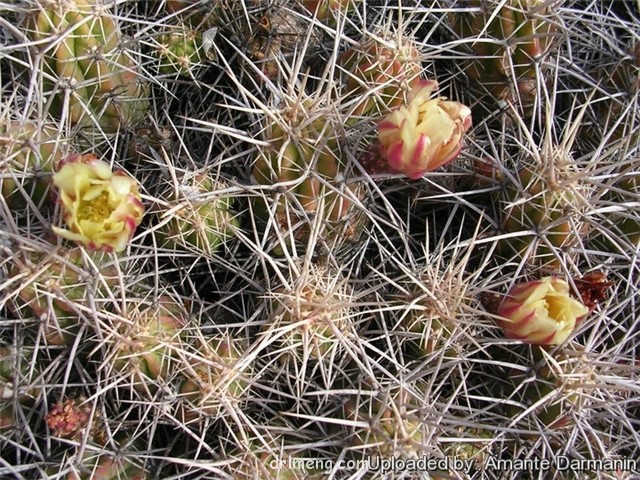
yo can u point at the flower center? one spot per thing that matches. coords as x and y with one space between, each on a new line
95 210
557 307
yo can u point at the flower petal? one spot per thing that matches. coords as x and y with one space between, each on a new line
101 209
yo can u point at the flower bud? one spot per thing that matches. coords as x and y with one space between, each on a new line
541 312
67 419
424 135
101 208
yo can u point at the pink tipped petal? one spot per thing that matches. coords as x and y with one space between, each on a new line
395 156
420 151
416 175
540 312
430 132
387 125
508 309
422 90
548 340
131 224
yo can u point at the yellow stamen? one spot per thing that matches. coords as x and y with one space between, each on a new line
96 209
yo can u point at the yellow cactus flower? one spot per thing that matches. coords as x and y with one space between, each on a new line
101 208
541 312
424 135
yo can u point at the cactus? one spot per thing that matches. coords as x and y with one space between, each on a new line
57 288
395 427
7 416
194 220
93 82
299 191
273 38
18 372
268 33
21 384
29 154
215 380
304 158
106 465
549 397
327 11
429 332
620 229
179 52
508 40
275 451
548 207
615 114
275 457
145 348
377 77
309 323
470 449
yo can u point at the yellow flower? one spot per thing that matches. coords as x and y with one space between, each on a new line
101 208
541 312
424 135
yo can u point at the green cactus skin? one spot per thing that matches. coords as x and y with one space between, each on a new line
623 227
109 466
55 287
148 343
548 209
378 77
309 167
394 425
620 83
553 413
198 223
196 14
431 334
214 380
309 322
17 371
28 155
472 448
179 52
7 417
326 11
92 81
20 381
507 42
277 461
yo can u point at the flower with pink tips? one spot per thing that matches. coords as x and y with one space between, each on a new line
541 312
424 135
101 208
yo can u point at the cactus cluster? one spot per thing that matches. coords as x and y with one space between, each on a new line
193 220
510 41
53 291
179 52
29 155
90 80
304 156
308 239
